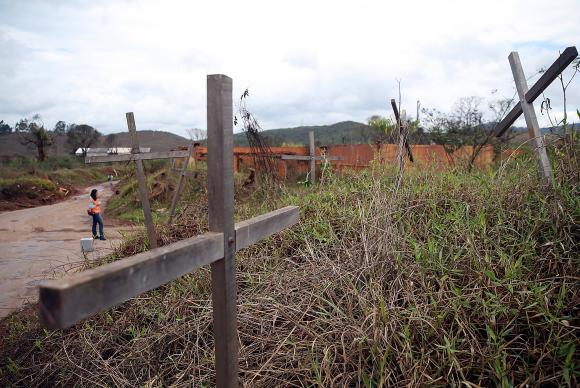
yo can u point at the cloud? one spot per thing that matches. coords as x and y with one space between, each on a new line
304 62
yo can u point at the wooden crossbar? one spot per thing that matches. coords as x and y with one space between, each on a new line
190 174
567 56
307 157
133 157
64 302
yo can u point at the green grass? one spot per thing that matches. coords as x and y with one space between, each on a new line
455 279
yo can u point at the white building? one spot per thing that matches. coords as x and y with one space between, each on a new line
110 151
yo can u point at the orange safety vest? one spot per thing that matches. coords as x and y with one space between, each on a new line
96 208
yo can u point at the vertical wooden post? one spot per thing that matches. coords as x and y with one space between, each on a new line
142 181
236 164
530 116
312 155
195 156
180 183
220 183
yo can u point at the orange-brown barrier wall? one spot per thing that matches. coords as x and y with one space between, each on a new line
358 156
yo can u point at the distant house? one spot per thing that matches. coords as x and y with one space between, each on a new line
109 151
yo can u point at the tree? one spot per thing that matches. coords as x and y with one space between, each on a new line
382 128
464 126
196 134
81 136
5 128
21 126
60 128
111 140
33 134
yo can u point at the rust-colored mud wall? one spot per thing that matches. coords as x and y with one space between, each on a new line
358 156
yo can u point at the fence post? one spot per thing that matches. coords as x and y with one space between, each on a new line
312 155
220 183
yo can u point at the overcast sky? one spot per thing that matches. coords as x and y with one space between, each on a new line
304 62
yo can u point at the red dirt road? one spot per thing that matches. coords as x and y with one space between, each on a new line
41 242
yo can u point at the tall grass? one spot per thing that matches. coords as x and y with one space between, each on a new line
455 279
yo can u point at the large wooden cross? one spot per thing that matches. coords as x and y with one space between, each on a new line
312 157
66 301
138 158
528 96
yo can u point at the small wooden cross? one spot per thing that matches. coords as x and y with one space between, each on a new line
400 125
311 157
138 158
527 97
66 301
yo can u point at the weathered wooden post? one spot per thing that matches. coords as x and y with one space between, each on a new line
220 181
141 180
530 116
312 152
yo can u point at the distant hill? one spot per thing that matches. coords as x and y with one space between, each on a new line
157 140
340 133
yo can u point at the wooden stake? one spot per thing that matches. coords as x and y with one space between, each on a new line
221 219
180 182
312 155
530 116
142 181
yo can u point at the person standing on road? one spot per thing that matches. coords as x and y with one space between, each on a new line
95 211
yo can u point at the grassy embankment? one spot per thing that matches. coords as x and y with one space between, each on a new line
25 182
454 279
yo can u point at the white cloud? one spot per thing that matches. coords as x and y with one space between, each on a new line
304 62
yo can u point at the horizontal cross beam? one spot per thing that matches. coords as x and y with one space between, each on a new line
538 88
64 302
140 156
190 174
307 157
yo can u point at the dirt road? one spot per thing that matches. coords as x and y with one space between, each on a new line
41 242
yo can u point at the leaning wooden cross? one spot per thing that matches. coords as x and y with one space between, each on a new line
527 97
311 157
66 301
180 183
138 158
400 126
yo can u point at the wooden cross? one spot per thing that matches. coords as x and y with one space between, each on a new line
400 125
66 301
138 158
528 96
311 157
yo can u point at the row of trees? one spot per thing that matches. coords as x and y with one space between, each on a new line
33 134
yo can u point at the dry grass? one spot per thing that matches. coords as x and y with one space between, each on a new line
458 279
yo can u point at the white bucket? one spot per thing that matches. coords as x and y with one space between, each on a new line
87 244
